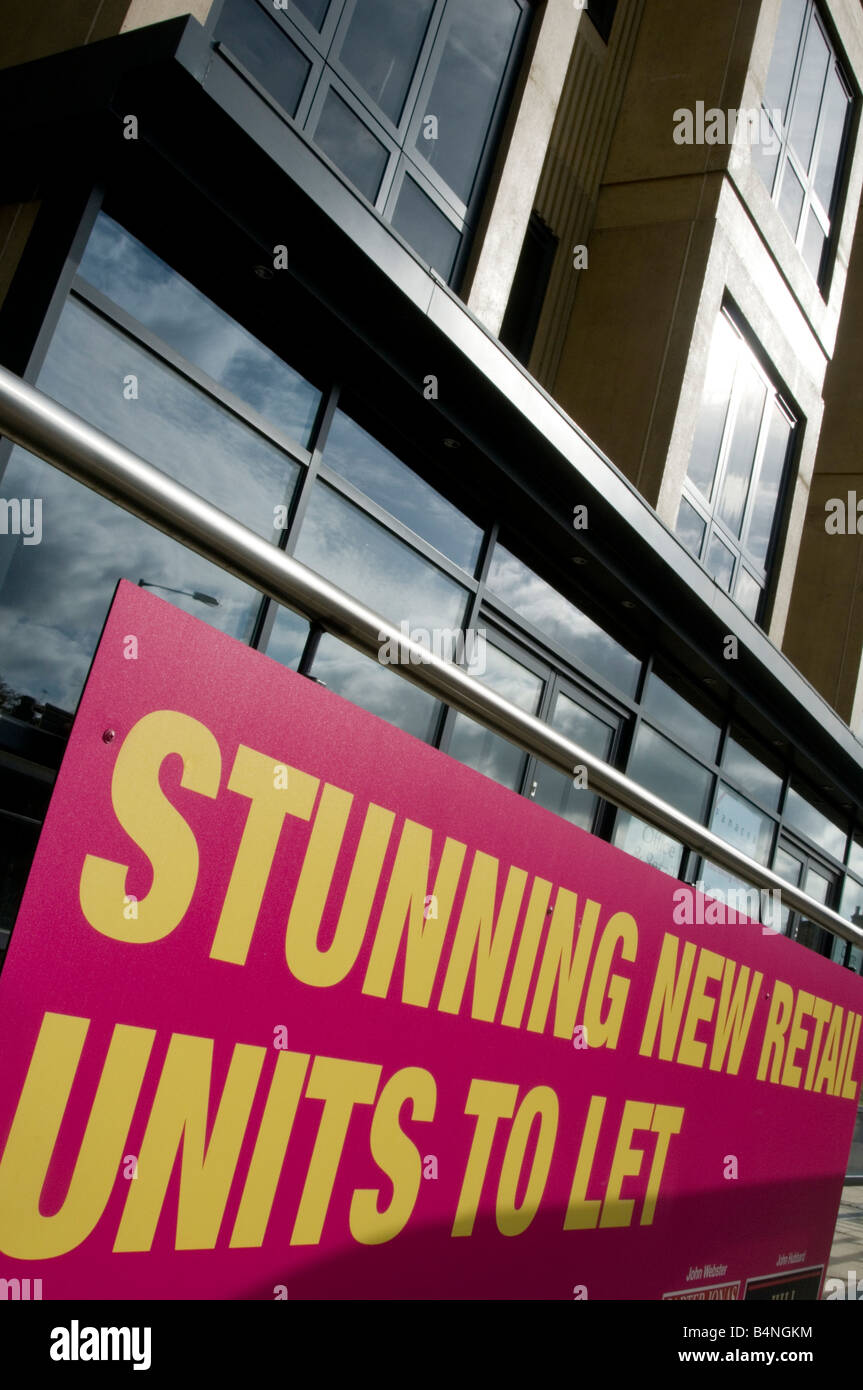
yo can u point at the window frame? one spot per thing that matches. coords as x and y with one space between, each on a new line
329 73
331 82
530 647
707 508
397 130
826 217
299 40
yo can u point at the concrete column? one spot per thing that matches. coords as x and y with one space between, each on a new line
511 199
824 633
141 12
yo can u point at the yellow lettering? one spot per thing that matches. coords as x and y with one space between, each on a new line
155 826
489 1101
778 1019
734 1016
560 962
620 929
821 1010
667 1120
582 1214
265 1168
179 1118
667 998
525 959
830 1055
395 1155
542 1102
797 1038
340 1085
406 896
252 777
849 1047
617 1210
849 1089
479 937
25 1234
330 966
701 1006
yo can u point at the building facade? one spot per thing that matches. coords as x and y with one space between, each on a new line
534 323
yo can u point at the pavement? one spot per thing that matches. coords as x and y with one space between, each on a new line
846 1255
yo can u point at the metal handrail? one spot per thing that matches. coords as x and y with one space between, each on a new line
55 434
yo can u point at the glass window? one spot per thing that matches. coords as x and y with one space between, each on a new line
556 791
738 896
548 611
172 423
18 838
381 48
721 366
851 904
747 593
471 743
477 747
465 88
789 867
340 542
742 825
351 146
807 89
850 907
808 933
315 11
425 228
357 456
837 105
690 527
814 243
760 527
739 458
777 89
374 688
142 284
671 774
807 99
265 50
741 453
750 771
647 843
511 680
855 853
55 595
288 638
688 725
813 824
719 562
791 197
419 78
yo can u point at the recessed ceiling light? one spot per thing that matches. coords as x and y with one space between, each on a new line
263 272
579 560
627 603
452 443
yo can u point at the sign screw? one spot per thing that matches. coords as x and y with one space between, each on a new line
108 736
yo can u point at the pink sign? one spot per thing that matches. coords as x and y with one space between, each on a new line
298 1007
